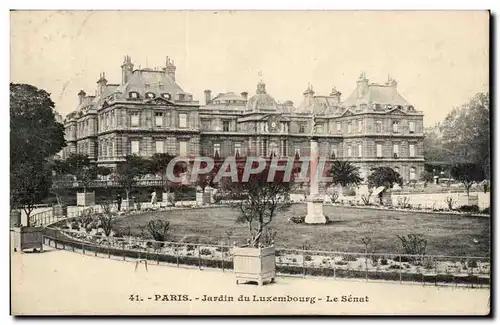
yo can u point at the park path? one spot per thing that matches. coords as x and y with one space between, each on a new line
61 282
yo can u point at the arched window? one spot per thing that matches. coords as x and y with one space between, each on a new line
150 95
166 95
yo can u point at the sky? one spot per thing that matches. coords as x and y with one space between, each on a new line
439 58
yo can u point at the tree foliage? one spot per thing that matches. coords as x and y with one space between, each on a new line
82 168
467 174
344 173
35 136
130 171
466 133
384 176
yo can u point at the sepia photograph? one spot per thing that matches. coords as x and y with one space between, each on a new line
237 163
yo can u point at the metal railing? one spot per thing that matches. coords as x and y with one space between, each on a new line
425 269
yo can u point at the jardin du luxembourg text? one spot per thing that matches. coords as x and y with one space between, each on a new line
204 298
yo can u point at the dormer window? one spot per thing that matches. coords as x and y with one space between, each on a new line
166 96
181 96
146 85
411 108
150 95
160 85
133 95
388 106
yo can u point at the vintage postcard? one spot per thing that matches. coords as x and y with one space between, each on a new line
250 163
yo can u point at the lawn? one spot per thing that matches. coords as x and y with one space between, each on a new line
446 234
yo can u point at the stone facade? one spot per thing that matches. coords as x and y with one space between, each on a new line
148 112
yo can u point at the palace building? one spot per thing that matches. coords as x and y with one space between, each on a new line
148 113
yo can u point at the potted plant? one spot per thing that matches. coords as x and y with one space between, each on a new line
259 202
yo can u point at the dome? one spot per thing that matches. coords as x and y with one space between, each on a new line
262 101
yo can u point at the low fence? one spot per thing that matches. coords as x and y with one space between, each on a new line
426 269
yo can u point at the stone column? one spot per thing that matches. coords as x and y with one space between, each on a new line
314 200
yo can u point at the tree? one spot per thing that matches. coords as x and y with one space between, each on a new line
35 136
30 183
344 173
34 132
158 165
466 133
384 176
129 171
467 174
427 177
261 201
83 169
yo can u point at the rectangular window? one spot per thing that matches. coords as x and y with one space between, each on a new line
183 148
134 147
284 148
107 121
379 150
237 149
182 120
216 149
395 126
225 126
360 126
412 150
339 127
360 150
334 152
134 119
159 119
297 151
395 150
319 128
349 127
378 126
412 127
159 146
112 118
302 128
349 151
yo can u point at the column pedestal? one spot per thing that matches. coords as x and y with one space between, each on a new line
315 210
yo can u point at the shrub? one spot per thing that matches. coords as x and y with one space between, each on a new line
472 264
334 196
384 261
158 229
297 219
308 258
469 208
75 226
413 244
366 199
190 248
395 267
226 249
349 258
341 263
486 210
205 251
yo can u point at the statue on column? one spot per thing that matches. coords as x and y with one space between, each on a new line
313 125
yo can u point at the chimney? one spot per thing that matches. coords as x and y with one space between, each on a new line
208 96
81 96
127 69
336 95
101 84
244 95
170 68
362 88
391 82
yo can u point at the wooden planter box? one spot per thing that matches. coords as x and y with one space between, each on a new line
128 204
15 218
60 210
168 198
254 264
85 199
22 238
